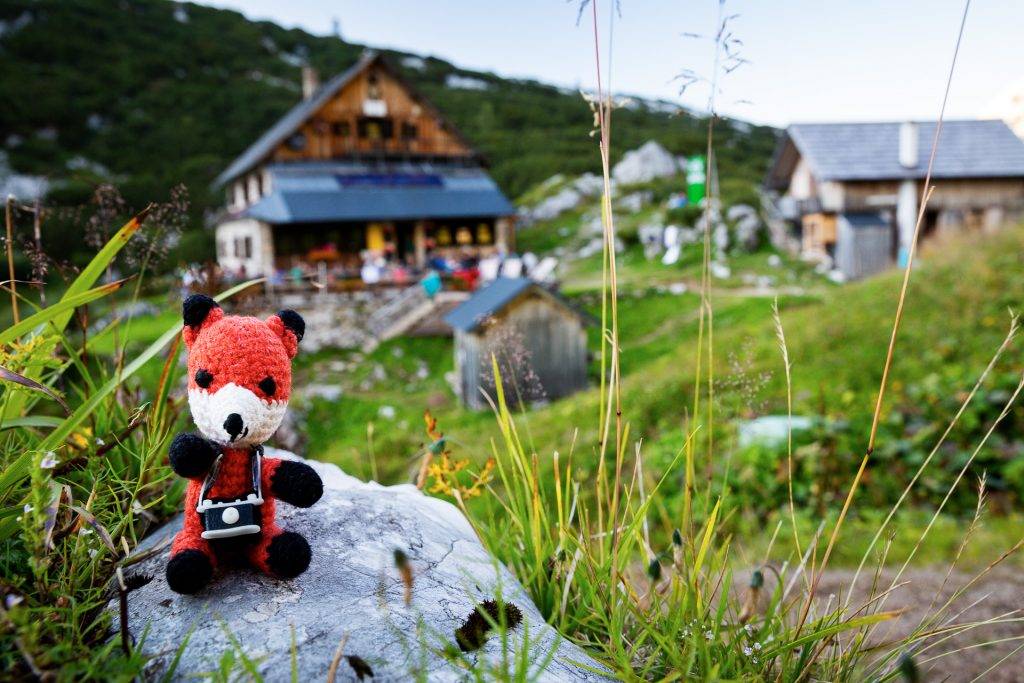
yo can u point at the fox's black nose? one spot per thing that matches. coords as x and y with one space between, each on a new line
233 425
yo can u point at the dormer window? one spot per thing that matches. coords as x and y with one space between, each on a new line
297 142
239 194
372 128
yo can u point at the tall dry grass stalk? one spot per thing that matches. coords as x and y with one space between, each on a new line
9 222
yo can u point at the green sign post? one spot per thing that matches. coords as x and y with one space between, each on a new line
696 179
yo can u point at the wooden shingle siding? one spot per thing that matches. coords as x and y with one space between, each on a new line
541 334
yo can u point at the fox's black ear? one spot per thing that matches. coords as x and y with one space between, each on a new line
294 322
196 308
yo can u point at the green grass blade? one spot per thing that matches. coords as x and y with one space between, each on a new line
54 314
92 272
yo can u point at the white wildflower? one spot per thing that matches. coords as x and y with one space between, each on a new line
757 646
747 650
100 442
709 634
49 461
28 508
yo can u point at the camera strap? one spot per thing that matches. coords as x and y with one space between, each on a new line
256 460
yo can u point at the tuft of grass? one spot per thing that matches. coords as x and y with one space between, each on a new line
639 563
82 478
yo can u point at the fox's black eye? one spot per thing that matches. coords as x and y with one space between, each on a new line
204 379
268 386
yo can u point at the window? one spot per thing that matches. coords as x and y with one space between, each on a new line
342 129
409 131
297 142
222 249
239 187
243 247
372 128
484 234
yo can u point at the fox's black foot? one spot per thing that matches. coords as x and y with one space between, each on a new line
288 555
189 571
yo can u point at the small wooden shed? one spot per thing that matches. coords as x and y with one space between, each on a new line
538 338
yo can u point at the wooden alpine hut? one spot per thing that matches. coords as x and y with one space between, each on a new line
362 171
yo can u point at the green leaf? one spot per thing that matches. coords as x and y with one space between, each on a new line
17 378
31 421
52 314
98 264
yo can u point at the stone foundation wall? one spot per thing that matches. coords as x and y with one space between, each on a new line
333 319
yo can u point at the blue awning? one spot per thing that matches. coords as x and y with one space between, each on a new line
322 192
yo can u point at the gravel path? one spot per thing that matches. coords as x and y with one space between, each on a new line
998 594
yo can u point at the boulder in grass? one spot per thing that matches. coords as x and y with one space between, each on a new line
367 540
644 164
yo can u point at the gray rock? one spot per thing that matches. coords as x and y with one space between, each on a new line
589 185
635 201
558 203
644 164
352 592
747 226
328 392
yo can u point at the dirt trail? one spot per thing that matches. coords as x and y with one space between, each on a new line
998 594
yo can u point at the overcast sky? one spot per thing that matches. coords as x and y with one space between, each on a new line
810 60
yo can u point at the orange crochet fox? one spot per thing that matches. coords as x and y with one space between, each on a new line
239 382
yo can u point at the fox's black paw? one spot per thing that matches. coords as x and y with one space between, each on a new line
297 483
288 555
189 571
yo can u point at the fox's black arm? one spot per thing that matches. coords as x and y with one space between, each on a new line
296 483
191 455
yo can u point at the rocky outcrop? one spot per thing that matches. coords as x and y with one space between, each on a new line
353 599
644 164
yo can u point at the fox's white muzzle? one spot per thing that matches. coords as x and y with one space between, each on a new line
235 416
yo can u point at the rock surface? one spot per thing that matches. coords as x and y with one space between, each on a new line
644 164
352 592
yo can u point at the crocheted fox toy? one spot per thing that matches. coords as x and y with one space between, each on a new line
239 381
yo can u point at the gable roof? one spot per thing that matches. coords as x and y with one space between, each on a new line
870 151
312 192
495 296
301 112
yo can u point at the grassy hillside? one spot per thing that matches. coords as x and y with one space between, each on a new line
956 319
152 93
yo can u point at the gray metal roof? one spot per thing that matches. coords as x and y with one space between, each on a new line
490 299
487 301
870 151
308 192
867 219
290 122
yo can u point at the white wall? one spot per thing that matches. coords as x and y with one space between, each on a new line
245 242
801 183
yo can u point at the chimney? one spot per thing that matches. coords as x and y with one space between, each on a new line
908 144
310 82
